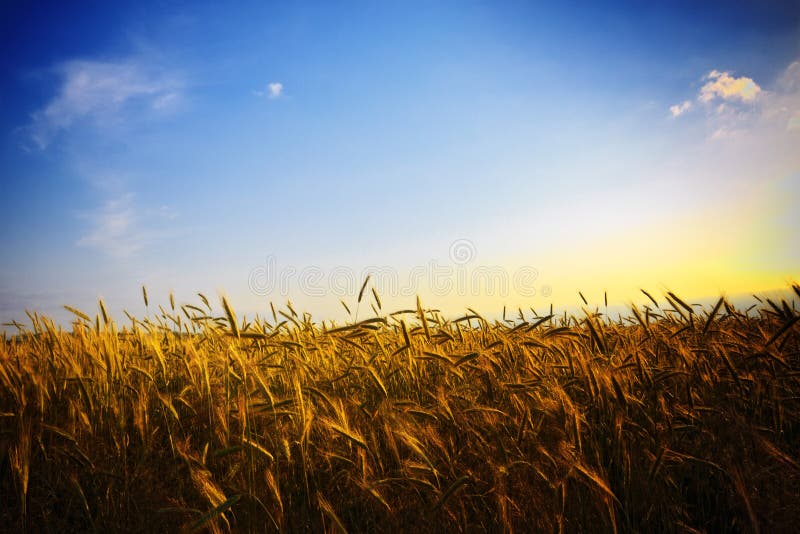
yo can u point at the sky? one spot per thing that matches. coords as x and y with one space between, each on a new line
474 153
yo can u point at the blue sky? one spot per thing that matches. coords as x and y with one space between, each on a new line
212 148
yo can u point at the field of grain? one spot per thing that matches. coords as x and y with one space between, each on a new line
677 418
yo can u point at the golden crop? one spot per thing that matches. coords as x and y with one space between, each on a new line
674 419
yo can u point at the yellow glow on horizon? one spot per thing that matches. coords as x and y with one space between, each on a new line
733 249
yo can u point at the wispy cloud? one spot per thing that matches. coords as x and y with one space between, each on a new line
785 99
113 228
99 91
774 113
726 87
121 229
16 301
679 109
273 90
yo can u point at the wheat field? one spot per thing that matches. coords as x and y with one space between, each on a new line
677 418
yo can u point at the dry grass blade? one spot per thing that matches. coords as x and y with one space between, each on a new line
363 288
258 448
450 491
214 513
640 319
595 333
712 315
103 311
776 453
618 391
77 312
783 329
327 509
464 359
406 338
377 298
598 482
423 319
741 489
378 381
539 322
354 438
677 299
167 403
648 295
657 464
231 317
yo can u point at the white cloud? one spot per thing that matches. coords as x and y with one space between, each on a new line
112 228
723 85
679 109
789 81
273 90
785 99
774 115
166 100
738 106
99 91
120 229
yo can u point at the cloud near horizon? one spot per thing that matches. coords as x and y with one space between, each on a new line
100 90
